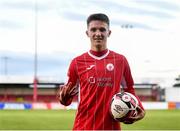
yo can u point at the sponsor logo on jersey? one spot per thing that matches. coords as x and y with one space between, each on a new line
110 67
91 80
101 81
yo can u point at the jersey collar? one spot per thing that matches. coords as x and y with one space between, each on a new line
98 57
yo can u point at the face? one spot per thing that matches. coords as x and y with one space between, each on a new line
98 32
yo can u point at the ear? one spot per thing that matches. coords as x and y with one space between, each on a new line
87 33
109 33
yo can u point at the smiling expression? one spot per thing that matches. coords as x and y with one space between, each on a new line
98 32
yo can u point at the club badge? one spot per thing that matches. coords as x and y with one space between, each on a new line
110 67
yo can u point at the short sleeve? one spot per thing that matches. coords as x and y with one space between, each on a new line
72 75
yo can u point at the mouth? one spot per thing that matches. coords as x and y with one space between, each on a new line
98 39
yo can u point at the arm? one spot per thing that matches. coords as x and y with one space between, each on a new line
128 87
68 91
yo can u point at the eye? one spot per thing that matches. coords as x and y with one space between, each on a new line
93 29
102 29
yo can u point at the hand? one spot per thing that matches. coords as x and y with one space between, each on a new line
66 93
140 114
135 117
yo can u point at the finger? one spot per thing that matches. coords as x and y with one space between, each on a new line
69 89
66 91
137 117
139 110
62 91
69 86
58 92
73 90
133 117
128 122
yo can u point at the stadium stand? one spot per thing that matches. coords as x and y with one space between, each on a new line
23 92
18 92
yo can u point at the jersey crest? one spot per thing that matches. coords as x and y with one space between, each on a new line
110 67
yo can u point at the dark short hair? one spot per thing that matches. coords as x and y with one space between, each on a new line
98 16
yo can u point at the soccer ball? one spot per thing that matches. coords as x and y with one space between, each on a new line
123 105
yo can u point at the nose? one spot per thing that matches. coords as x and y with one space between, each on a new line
98 32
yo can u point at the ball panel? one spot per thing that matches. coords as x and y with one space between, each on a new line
134 100
119 108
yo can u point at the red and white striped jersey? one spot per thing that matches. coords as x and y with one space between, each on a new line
99 78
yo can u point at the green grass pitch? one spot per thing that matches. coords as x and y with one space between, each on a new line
63 119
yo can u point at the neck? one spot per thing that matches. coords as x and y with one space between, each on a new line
95 46
98 48
98 53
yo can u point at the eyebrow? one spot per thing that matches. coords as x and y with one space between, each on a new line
102 29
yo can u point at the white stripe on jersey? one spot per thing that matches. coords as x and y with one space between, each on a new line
98 58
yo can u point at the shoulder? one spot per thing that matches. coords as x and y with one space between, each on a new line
74 62
117 55
79 57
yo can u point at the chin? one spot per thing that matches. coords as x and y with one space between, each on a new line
99 44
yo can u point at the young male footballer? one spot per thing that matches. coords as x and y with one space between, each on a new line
99 74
